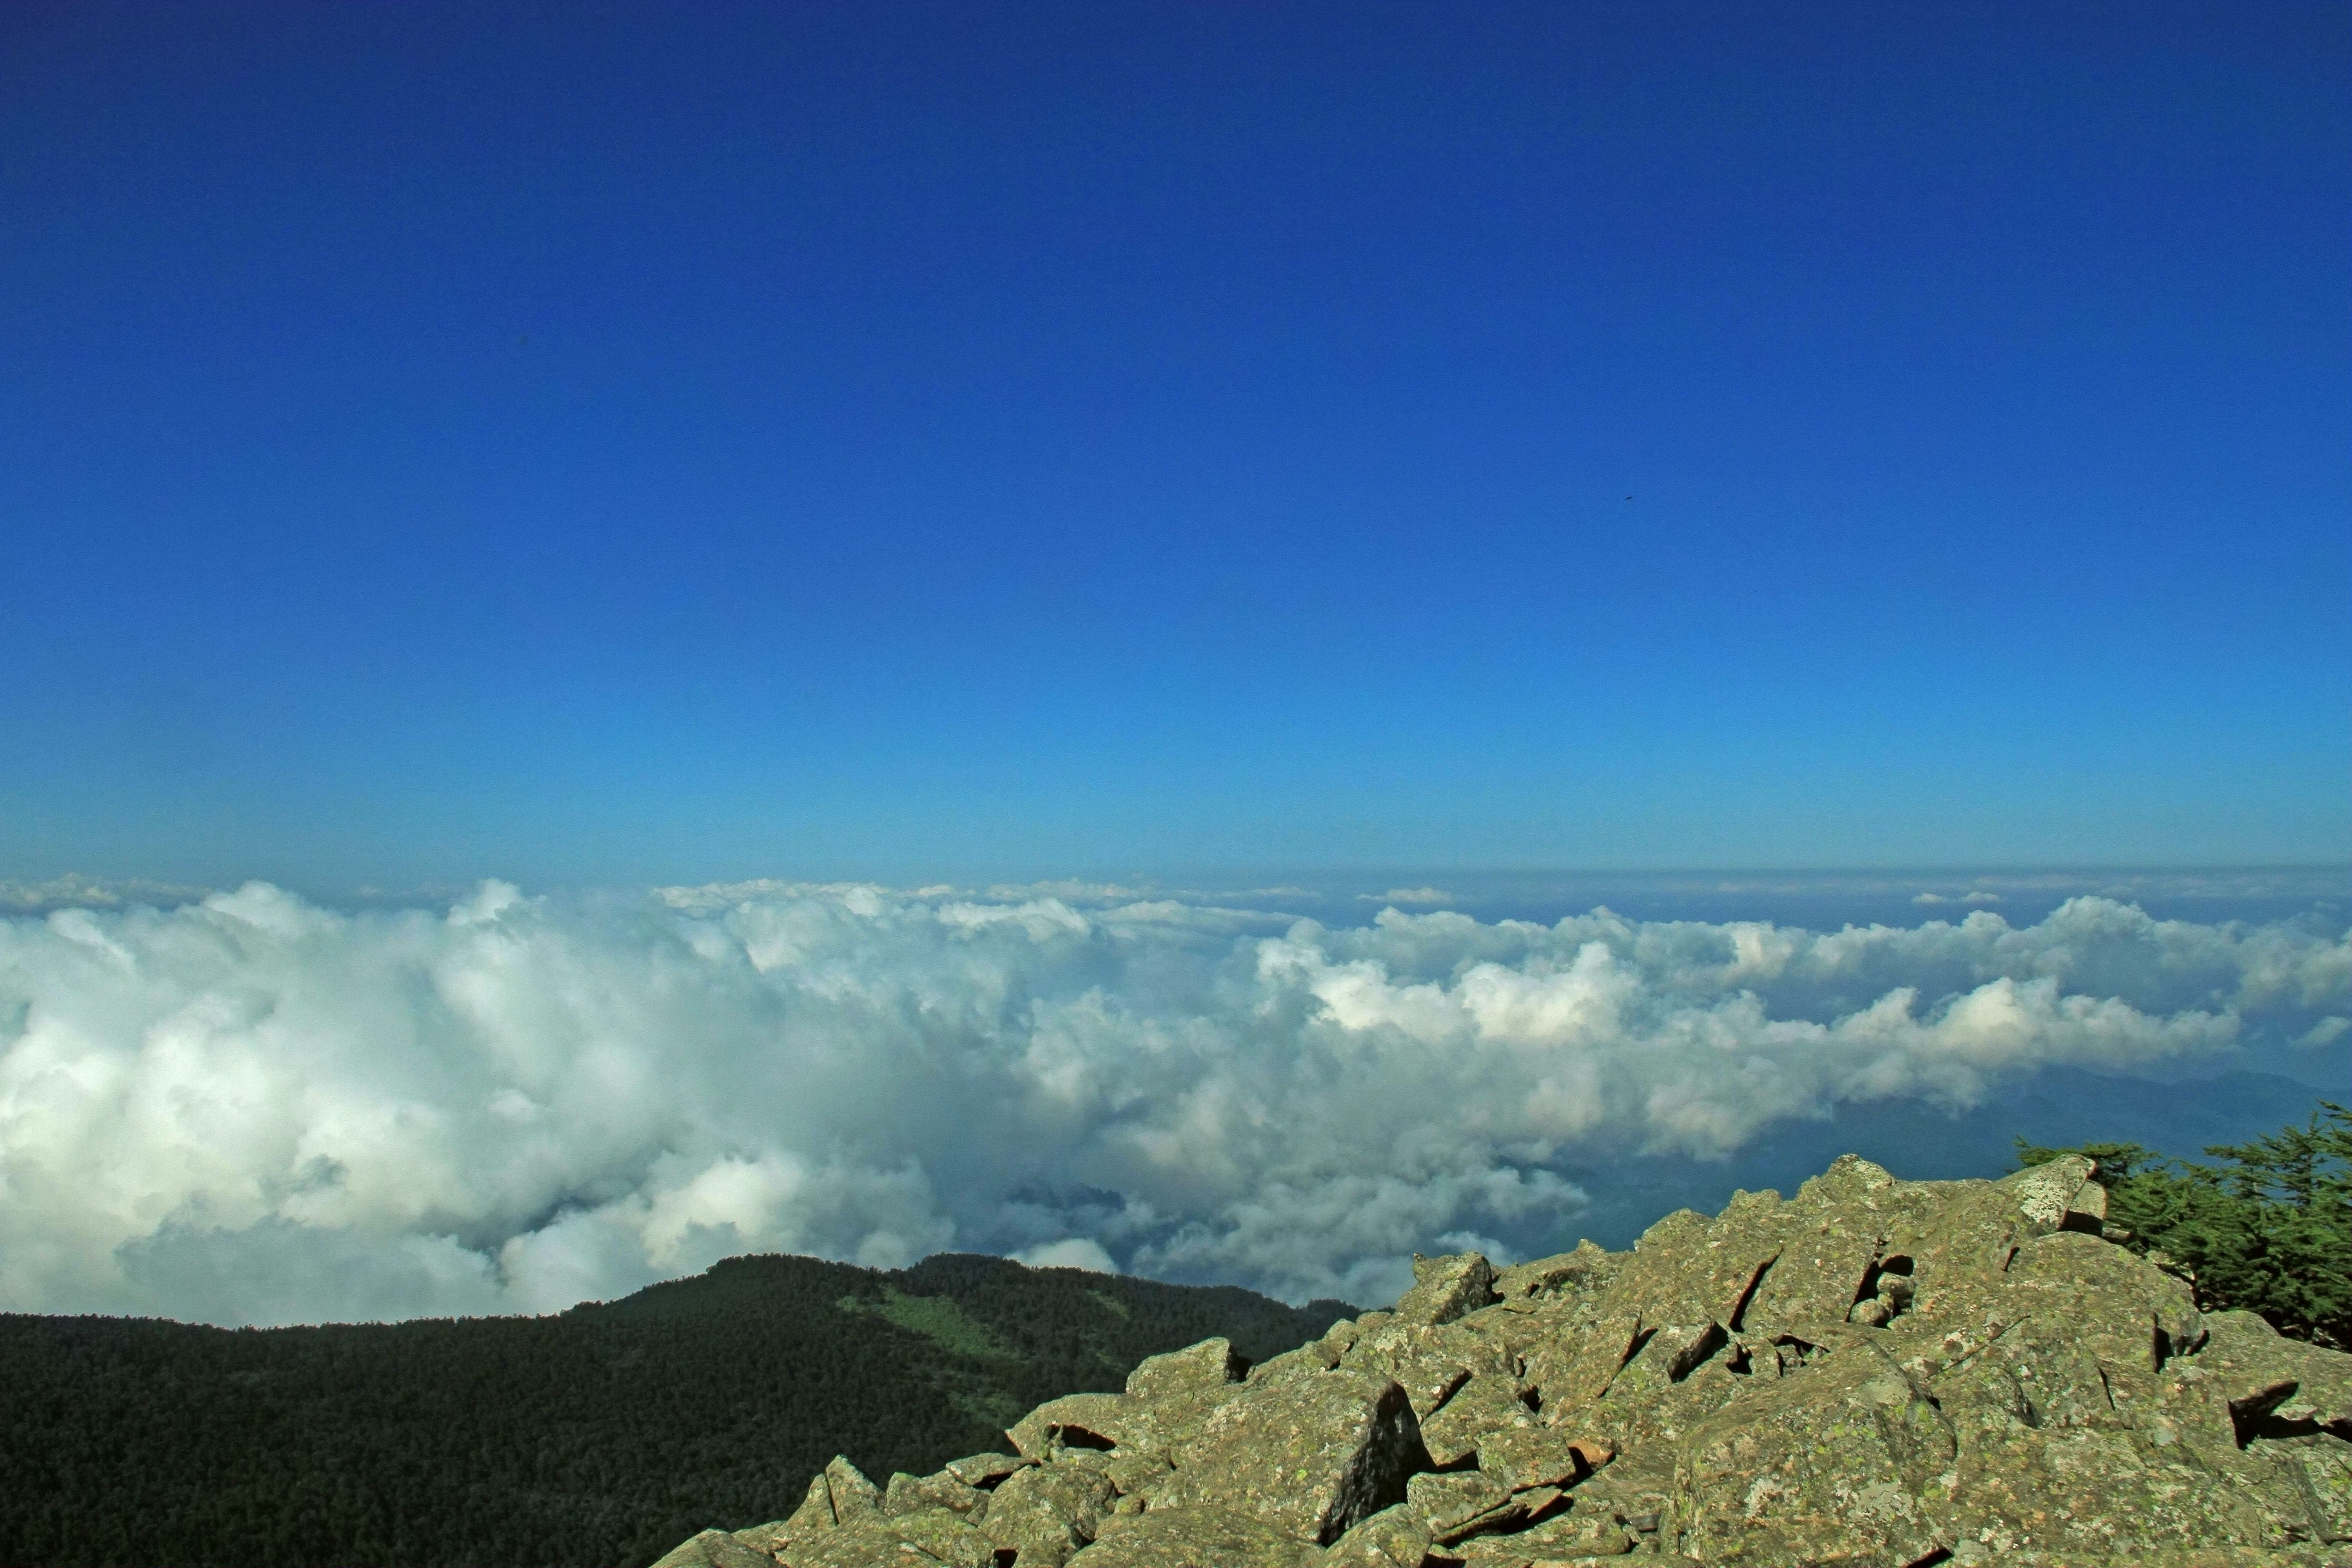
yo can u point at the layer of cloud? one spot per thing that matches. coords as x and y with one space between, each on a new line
1410 898
72 891
253 1109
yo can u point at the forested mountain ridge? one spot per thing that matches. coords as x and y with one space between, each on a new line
598 1435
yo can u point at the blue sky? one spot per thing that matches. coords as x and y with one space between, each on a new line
615 443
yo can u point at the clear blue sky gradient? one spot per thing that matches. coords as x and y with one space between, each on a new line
593 444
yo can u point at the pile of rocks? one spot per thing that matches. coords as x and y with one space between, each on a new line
1875 1371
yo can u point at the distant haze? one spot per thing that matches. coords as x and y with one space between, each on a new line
255 1107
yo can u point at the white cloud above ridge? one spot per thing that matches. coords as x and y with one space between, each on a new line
256 1109
1073 1252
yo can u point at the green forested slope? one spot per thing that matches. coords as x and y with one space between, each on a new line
605 1435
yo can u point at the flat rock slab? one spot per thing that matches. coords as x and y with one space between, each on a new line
918 1539
985 1471
1535 1457
1209 1364
1446 1287
1047 1511
1483 1408
715 1548
1194 1538
1310 1454
1850 1463
2331 1556
1089 1420
907 1493
1578 1534
1395 1537
1588 1268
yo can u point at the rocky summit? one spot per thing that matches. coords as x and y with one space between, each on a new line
1875 1371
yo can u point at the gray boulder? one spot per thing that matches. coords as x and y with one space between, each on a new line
1852 1463
1091 1420
985 1470
1047 1511
714 1548
1580 1533
1446 1287
1583 1269
1454 1505
1310 1454
911 1494
1396 1537
1194 1538
917 1540
1211 1363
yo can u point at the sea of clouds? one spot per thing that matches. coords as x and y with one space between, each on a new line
250 1107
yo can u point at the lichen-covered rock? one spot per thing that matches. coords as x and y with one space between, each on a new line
1209 1364
2054 1197
1577 1369
1088 1420
714 1548
1310 1454
1046 1512
1524 1456
1432 1361
2268 1386
1480 1409
2285 1409
906 1494
1194 1538
1453 1504
1509 1329
1446 1287
1873 1372
1322 1355
1581 1532
918 1539
1139 1476
985 1470
1696 1274
851 1495
1587 1268
767 1539
1396 1537
837 1495
1970 1554
1430 1374
1164 1426
943 1534
2097 1490
1852 1463
2317 1467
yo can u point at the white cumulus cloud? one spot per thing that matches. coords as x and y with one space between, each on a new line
255 1108
1074 1252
